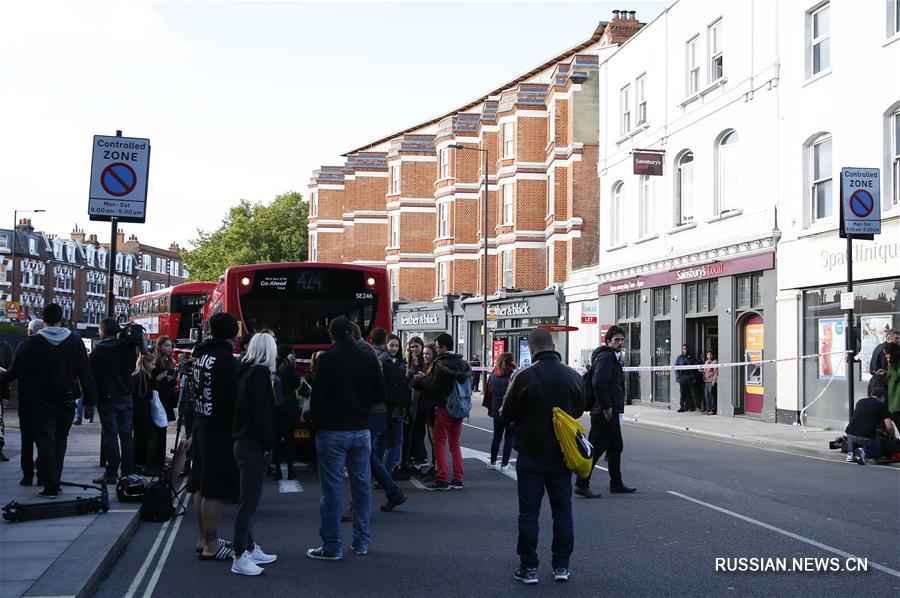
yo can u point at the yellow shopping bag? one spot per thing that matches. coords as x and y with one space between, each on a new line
577 451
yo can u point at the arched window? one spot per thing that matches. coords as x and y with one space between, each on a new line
727 172
684 189
617 215
820 179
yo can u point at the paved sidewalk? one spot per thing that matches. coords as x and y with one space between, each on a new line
803 440
65 556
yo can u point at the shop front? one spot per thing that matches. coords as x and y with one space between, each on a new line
723 306
425 320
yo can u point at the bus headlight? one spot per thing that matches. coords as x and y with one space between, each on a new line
370 281
245 281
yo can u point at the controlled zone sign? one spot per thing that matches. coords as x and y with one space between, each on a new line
861 201
119 167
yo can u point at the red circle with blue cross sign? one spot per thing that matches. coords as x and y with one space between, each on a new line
118 179
861 203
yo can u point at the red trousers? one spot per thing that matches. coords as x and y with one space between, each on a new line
447 430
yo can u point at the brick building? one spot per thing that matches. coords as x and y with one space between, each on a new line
541 134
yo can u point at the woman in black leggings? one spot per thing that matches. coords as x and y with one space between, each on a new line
254 436
493 400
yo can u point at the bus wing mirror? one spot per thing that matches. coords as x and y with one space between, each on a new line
196 335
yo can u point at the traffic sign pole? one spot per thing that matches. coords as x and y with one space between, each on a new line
851 342
111 265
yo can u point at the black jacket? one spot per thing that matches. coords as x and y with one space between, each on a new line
254 410
396 385
215 384
143 386
32 362
348 383
290 381
533 393
448 367
112 363
608 382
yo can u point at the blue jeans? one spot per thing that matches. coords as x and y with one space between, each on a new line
116 419
378 424
390 455
79 409
337 449
534 475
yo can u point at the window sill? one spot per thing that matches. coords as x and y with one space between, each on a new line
823 226
891 40
702 92
632 133
444 238
683 227
725 216
617 247
813 78
646 239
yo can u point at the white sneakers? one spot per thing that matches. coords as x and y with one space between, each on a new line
493 466
249 562
506 467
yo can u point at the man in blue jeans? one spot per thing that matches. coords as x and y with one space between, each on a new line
533 393
348 384
112 363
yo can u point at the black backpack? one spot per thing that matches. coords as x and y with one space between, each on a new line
59 381
157 504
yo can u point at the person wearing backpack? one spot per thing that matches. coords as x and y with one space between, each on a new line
49 367
533 393
608 392
450 383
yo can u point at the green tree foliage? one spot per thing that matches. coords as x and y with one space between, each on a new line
251 234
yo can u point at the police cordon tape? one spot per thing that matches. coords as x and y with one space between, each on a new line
700 366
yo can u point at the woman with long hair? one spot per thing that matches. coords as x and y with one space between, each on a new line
414 455
390 455
494 392
254 437
149 440
165 375
428 404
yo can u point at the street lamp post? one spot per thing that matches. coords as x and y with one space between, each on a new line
12 263
484 289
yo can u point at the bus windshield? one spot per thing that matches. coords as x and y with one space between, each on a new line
187 305
299 303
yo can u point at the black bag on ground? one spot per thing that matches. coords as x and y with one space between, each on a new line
157 504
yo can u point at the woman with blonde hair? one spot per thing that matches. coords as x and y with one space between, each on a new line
254 434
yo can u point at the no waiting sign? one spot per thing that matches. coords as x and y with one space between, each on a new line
119 167
861 200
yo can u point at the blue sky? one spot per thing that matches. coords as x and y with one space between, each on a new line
243 99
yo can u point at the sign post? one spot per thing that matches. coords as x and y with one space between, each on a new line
860 218
118 191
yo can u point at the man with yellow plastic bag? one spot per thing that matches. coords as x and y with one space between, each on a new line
533 393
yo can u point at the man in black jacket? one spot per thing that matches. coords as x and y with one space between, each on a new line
533 393
113 363
49 366
606 420
348 383
214 472
381 423
448 369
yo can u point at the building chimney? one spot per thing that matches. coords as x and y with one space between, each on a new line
24 225
120 238
92 238
77 235
623 25
174 248
631 15
615 15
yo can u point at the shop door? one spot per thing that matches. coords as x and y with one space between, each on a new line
632 359
705 337
662 355
752 335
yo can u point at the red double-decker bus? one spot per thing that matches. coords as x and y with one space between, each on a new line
298 300
171 311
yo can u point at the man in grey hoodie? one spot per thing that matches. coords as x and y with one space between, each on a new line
49 366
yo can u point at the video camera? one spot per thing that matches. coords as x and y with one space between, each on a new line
133 334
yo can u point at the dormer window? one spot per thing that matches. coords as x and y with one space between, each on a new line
32 246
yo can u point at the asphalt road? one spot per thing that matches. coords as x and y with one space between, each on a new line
697 500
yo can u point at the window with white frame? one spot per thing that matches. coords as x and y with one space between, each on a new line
640 99
819 27
176 268
684 189
893 18
625 109
820 183
5 242
145 286
509 147
507 270
551 251
646 201
395 230
727 172
444 220
101 259
551 121
714 46
693 65
146 262
551 191
895 152
395 287
160 286
445 163
314 247
119 262
442 278
506 203
32 246
618 217
314 204
395 179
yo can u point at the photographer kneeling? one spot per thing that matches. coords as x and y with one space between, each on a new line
112 363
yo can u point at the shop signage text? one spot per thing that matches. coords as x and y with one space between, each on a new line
509 310
422 319
649 163
589 313
700 272
876 252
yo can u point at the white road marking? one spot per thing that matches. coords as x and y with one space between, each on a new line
477 428
792 535
139 578
491 432
417 483
289 486
151 585
485 458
